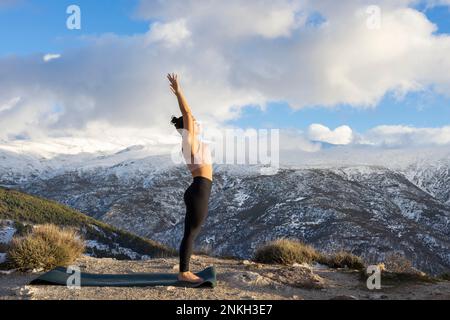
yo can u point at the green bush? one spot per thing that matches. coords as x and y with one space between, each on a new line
45 247
284 251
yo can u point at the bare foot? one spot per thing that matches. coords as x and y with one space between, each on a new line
189 277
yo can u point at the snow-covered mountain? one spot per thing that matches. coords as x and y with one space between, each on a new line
432 177
351 204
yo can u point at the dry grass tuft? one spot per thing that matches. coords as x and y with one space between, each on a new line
45 247
287 252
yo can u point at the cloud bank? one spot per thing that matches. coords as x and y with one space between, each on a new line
230 54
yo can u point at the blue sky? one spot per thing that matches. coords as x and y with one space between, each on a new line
38 27
417 110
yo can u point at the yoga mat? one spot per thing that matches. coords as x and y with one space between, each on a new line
59 276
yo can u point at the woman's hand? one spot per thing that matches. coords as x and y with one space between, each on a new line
174 83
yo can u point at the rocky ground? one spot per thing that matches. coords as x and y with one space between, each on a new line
237 279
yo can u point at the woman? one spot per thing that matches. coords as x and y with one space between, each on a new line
196 197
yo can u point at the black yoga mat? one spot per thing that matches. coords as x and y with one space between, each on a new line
59 277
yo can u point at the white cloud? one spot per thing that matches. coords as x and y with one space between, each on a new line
95 139
172 33
9 104
406 136
341 135
51 56
432 3
340 62
229 54
383 136
229 20
296 140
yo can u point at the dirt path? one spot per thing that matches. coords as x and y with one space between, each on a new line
14 286
236 280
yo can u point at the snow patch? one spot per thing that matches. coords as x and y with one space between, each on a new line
409 209
210 239
240 197
296 199
96 245
6 233
116 250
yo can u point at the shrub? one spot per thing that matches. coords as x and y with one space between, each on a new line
398 270
445 276
398 263
22 228
45 247
343 259
284 251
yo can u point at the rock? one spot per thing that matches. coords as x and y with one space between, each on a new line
250 278
21 291
320 266
246 262
422 274
176 267
299 277
301 265
170 288
7 272
252 266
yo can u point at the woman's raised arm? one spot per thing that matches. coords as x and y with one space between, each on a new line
188 120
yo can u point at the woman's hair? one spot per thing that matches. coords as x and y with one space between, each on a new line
177 122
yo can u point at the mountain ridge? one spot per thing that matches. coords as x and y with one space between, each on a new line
369 209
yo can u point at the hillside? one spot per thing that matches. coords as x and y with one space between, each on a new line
236 279
18 210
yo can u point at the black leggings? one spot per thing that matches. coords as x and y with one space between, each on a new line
196 199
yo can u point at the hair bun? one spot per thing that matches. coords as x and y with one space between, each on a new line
177 122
